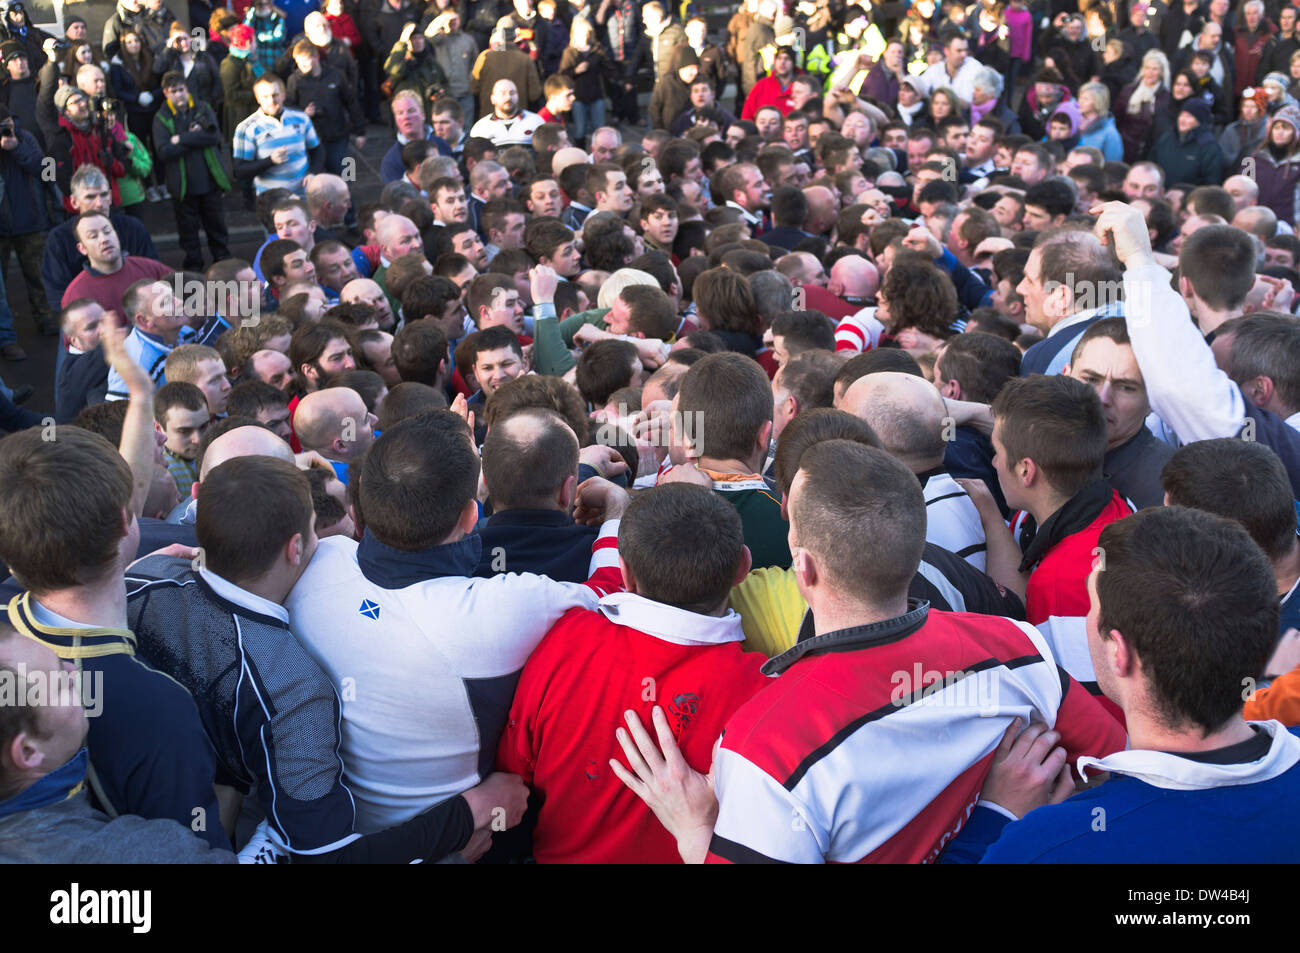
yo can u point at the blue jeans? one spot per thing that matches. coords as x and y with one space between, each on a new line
333 152
587 118
470 107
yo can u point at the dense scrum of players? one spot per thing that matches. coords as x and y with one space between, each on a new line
897 462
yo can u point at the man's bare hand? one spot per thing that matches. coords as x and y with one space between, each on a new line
599 500
1028 770
679 796
138 382
604 460
589 334
651 351
543 280
1122 226
311 460
981 496
921 239
478 845
460 407
969 413
500 798
176 551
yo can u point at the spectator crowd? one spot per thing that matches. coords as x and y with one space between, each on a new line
843 432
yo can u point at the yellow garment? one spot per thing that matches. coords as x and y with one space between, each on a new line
770 608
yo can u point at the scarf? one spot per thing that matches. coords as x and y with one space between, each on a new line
1143 95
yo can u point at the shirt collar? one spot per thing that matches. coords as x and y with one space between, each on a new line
669 623
1076 514
242 597
392 568
748 216
850 639
59 785
1173 773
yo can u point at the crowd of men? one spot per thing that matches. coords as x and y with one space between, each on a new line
904 471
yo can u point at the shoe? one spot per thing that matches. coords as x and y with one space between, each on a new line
163 194
23 393
13 351
151 194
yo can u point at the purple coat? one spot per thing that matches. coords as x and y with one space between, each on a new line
1278 181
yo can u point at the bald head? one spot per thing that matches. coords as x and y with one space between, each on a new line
243 442
335 423
1243 189
563 158
1257 220
854 277
822 209
905 411
328 198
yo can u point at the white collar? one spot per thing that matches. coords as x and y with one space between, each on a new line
669 623
1172 773
242 597
1294 421
51 619
1076 318
749 216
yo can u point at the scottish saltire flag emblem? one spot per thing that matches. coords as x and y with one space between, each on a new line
369 609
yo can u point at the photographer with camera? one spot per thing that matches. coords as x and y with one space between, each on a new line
23 224
187 138
87 137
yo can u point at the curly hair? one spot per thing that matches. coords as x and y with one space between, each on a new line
919 296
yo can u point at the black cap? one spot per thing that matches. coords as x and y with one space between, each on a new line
10 49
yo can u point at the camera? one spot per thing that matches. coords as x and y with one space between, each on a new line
7 129
62 44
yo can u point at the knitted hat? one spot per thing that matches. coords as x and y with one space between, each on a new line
1289 115
71 20
1198 107
1256 96
1278 79
64 94
241 37
1049 74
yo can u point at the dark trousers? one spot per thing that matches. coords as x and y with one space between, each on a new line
207 210
30 249
332 153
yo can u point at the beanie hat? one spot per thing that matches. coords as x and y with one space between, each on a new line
1257 96
1198 107
241 38
1289 115
1049 74
64 94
